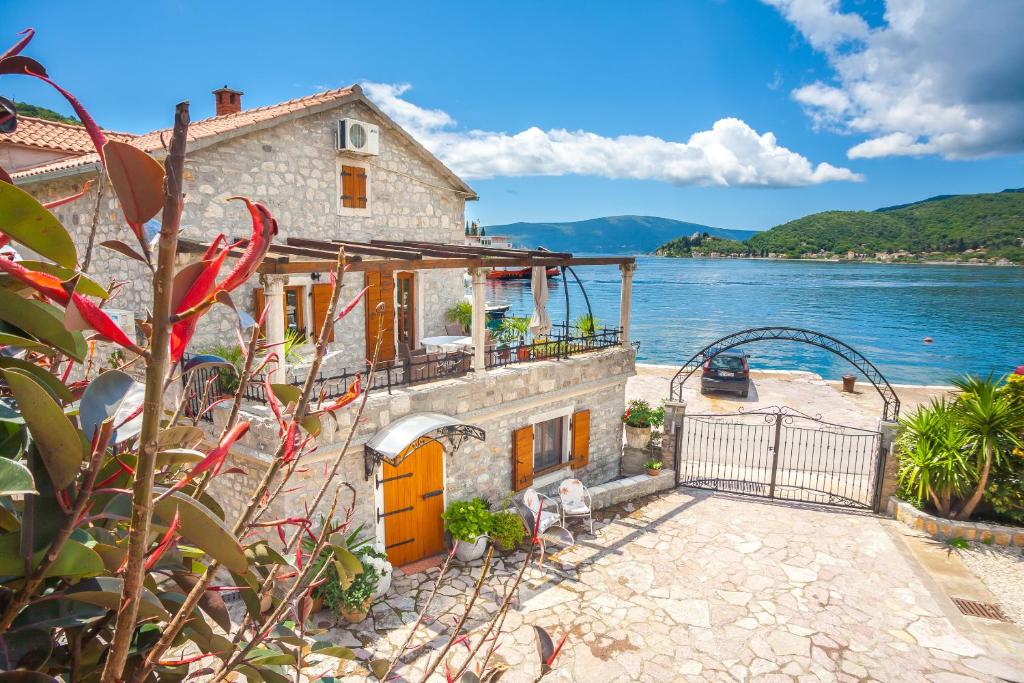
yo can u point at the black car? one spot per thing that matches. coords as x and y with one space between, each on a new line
726 372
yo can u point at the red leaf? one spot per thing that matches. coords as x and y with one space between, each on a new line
264 227
138 181
48 285
97 136
350 395
101 322
67 200
351 304
215 458
22 66
20 45
164 544
289 443
202 287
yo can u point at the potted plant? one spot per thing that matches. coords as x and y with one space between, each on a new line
638 420
461 313
468 522
352 602
507 530
514 331
653 467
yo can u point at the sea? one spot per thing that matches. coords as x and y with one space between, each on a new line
973 316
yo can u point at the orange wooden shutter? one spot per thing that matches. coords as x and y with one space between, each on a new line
348 186
360 187
522 458
580 439
258 302
382 291
321 295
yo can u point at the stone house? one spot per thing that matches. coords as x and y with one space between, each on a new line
484 423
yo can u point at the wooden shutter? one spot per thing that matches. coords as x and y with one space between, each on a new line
580 439
360 187
321 300
348 186
382 291
522 458
258 302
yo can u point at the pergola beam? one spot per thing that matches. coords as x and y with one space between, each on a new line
354 248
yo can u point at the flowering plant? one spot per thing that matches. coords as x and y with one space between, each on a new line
640 414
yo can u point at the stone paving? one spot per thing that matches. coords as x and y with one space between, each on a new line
689 586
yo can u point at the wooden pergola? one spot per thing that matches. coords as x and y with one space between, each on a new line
299 255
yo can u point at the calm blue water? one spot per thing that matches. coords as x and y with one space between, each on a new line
974 314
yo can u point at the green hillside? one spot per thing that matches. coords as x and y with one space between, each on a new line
26 109
703 245
939 226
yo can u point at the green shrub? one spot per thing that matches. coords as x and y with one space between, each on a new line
229 379
467 520
507 529
461 313
653 464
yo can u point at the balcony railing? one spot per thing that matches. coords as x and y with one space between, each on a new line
206 385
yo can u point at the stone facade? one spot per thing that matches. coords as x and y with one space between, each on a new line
498 402
294 169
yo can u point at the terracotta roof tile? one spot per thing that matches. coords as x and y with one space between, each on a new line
198 130
63 137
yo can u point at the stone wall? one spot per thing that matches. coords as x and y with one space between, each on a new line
499 403
292 168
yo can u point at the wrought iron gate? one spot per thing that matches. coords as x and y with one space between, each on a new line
781 453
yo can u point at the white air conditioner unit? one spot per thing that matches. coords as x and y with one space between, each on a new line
358 137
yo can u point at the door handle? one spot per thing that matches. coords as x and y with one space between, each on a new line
432 494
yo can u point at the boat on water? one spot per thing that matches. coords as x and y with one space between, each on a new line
516 273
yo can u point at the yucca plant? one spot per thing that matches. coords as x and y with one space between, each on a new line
993 424
934 463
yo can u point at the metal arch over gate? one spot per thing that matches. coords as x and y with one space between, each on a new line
891 409
783 454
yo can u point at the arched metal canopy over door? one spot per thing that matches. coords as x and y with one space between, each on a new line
891 409
412 481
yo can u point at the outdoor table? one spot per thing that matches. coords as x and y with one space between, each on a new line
447 342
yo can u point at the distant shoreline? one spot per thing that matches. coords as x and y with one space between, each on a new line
873 262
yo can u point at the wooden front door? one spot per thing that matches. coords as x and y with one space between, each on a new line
382 291
413 503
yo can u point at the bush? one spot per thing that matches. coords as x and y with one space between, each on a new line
507 529
467 520
461 313
653 464
640 414
229 378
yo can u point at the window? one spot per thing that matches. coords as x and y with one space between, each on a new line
353 187
405 309
547 444
294 311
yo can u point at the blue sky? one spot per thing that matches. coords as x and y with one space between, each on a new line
597 71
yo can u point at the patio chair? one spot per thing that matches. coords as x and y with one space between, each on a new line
454 330
576 502
534 501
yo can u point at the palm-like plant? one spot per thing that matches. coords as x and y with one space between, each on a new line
993 423
934 463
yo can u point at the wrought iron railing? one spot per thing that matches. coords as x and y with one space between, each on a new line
562 342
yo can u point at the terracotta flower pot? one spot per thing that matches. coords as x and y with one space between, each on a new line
354 616
637 437
653 471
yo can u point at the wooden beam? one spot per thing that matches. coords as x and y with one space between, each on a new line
311 253
355 248
478 251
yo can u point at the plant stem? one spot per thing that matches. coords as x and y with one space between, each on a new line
156 374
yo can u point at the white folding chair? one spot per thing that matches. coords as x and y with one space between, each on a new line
576 501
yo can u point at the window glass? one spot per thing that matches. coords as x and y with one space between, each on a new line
547 451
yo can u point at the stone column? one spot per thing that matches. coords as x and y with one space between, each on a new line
479 276
273 290
675 412
889 469
626 299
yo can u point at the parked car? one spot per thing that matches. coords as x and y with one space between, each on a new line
728 371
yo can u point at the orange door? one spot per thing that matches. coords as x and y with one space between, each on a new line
380 320
413 503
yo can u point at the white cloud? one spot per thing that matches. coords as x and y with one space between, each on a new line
939 77
731 154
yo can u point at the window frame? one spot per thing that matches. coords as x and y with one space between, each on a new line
339 203
554 473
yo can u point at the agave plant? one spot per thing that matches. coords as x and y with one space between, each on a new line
934 463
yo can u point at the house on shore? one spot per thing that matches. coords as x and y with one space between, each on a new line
441 424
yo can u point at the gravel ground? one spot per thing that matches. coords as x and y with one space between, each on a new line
1002 572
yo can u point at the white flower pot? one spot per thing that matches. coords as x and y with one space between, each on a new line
637 437
467 552
385 569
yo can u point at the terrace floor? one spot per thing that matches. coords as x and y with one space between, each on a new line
689 586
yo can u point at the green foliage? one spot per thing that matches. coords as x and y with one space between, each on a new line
462 313
587 323
653 464
35 111
514 329
640 414
958 543
233 354
949 225
703 245
467 520
507 529
933 463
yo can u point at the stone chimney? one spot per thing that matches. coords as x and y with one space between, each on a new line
228 101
